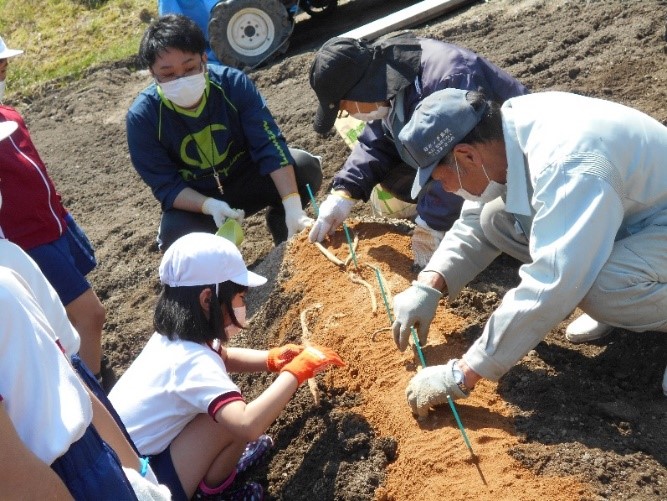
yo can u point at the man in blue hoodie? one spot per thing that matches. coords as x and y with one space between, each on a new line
202 137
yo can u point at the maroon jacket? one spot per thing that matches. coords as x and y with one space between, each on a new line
32 213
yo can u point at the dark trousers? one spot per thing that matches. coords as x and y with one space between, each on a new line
437 207
252 193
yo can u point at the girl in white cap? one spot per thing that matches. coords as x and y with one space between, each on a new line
5 53
177 400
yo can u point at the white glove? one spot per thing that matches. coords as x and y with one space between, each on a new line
424 242
148 488
220 211
295 217
415 306
332 213
431 385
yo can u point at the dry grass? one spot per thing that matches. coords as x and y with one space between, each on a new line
64 38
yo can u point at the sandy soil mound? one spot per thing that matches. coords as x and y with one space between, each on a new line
568 422
344 306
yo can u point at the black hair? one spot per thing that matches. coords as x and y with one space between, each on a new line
178 314
173 31
490 127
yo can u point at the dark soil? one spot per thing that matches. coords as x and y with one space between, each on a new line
568 422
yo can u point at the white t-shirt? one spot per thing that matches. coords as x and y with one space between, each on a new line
167 385
42 394
12 256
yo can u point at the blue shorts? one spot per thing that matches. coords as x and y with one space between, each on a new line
66 261
164 470
91 470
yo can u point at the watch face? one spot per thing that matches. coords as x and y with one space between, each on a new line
458 375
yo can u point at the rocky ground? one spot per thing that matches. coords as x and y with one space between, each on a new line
568 422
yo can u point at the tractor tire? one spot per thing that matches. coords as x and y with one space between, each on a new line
318 8
247 33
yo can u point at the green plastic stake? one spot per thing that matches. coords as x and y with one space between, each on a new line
423 362
458 422
391 319
384 295
312 200
349 243
418 346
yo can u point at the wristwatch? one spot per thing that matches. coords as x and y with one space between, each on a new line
459 378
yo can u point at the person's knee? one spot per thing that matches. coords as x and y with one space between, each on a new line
175 223
593 306
87 313
307 169
491 218
501 229
627 301
98 315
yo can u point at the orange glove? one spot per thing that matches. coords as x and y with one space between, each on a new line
310 361
282 355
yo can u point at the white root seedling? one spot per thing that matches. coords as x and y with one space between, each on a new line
329 255
375 333
358 280
305 339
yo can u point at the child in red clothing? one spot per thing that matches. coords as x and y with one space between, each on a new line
34 218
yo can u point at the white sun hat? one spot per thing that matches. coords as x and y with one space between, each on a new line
205 259
7 128
6 52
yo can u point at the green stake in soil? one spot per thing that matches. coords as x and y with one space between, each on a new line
423 362
384 295
349 243
312 200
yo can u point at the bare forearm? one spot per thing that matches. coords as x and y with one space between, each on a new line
285 180
189 200
258 415
23 475
433 280
246 360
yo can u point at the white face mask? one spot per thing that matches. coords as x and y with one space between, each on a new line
185 91
379 114
3 86
232 329
492 191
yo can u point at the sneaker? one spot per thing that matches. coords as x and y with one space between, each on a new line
664 382
585 329
248 491
254 453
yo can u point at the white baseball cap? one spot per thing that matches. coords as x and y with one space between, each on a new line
6 52
7 128
203 259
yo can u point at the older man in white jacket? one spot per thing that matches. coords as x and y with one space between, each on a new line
575 187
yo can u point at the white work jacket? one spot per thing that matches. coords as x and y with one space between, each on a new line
582 174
